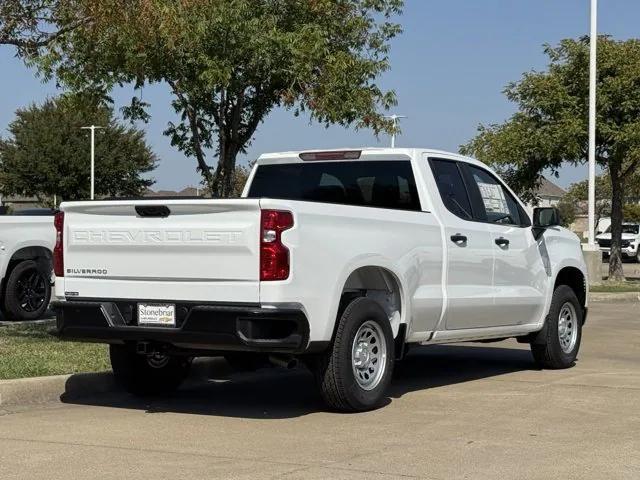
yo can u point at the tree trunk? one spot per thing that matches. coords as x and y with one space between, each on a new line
229 170
222 185
229 144
197 148
616 273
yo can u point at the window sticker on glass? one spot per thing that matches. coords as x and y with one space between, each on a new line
493 197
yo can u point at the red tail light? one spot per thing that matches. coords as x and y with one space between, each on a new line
274 256
58 255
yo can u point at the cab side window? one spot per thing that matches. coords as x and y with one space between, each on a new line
452 187
500 206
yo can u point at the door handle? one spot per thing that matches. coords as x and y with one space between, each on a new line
457 238
502 242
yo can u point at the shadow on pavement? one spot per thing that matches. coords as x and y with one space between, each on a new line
277 393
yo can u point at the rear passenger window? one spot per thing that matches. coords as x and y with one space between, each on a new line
451 187
382 184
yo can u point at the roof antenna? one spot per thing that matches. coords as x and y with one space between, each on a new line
394 118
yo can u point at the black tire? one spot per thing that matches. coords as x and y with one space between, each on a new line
546 348
137 374
334 371
28 291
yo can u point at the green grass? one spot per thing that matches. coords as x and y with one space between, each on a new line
30 351
616 287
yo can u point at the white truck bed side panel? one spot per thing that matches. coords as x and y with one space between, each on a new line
329 242
18 232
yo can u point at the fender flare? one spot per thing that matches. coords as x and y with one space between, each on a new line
377 261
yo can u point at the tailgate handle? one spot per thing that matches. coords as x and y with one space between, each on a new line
153 211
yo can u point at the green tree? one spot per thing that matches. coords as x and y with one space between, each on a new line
578 193
568 211
227 63
579 190
550 125
631 212
30 25
47 153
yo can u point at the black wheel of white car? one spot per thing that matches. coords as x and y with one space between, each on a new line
356 371
147 374
559 346
28 291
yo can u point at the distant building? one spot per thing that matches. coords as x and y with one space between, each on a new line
549 194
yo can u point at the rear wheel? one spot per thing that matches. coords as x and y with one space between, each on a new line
560 342
354 374
28 291
147 374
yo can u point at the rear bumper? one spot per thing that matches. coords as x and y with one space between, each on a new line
210 327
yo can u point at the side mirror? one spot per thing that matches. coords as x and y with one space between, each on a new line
543 218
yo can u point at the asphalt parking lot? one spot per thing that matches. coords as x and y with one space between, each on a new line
477 411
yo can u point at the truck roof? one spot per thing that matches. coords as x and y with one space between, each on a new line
368 153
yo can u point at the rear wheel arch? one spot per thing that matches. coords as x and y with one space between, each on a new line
41 255
380 285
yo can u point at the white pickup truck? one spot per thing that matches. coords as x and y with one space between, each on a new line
338 258
630 244
26 243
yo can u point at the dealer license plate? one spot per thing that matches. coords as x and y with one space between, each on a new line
158 314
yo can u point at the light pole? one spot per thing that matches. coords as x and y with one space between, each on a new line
93 153
394 118
592 122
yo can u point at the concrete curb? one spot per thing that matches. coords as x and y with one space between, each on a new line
603 297
24 391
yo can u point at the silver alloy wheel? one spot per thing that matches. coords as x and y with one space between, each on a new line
369 355
567 327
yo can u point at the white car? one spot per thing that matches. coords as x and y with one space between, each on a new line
337 258
26 243
630 241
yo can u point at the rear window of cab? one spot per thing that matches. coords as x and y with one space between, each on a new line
380 184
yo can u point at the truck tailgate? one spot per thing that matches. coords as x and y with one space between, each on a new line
196 249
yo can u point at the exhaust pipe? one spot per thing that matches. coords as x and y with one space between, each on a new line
287 362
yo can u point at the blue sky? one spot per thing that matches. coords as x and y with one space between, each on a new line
449 68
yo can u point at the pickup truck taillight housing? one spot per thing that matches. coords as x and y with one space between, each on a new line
58 255
274 256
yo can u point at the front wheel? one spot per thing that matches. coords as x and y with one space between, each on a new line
559 343
147 374
354 374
